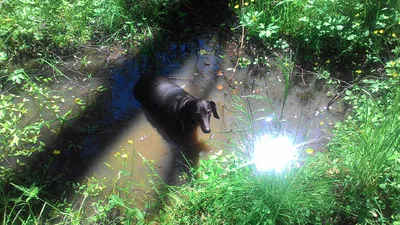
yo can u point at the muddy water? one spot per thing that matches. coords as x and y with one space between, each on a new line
143 146
121 137
142 149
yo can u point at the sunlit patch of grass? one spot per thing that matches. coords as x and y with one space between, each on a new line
226 193
229 189
366 150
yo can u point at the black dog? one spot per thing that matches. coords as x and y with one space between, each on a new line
158 94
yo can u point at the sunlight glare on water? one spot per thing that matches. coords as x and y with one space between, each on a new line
273 153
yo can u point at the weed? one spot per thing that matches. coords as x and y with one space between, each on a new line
244 62
19 132
367 149
355 30
35 28
227 193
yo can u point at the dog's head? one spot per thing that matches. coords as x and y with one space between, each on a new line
201 112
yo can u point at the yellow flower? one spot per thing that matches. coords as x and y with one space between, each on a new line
381 31
394 35
316 63
252 0
321 123
246 3
56 152
310 151
357 15
254 18
130 141
375 31
124 156
328 61
392 63
236 6
395 74
358 71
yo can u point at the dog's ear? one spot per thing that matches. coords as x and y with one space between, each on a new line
214 109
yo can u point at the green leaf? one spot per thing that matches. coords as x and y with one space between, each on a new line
31 192
116 200
3 56
17 76
138 214
351 37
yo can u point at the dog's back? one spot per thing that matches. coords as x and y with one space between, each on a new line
161 96
158 93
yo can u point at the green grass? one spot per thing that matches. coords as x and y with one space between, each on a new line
344 31
94 201
366 152
239 195
34 29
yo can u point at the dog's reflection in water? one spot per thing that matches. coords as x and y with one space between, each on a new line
184 147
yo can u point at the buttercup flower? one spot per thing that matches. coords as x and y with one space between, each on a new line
358 71
381 31
375 31
56 152
236 6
